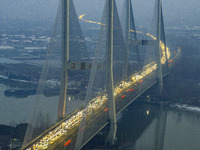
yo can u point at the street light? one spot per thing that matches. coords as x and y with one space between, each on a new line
11 143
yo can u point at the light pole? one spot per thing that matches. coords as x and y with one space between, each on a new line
11 143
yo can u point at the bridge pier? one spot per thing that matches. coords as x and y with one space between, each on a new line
109 77
65 59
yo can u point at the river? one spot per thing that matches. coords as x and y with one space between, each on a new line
14 111
147 127
140 127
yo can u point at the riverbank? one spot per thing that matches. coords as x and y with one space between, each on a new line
12 135
181 86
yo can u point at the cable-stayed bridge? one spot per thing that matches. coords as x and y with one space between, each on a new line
124 66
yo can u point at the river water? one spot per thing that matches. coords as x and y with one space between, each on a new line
140 126
147 127
20 110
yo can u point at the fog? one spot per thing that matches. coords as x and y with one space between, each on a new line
25 39
179 12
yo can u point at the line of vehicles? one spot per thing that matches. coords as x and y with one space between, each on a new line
96 103
65 127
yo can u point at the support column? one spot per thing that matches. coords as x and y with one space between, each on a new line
164 41
109 77
135 35
127 37
65 59
158 50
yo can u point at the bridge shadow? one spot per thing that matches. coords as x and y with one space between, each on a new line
132 123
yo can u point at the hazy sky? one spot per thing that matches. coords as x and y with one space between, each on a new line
174 10
29 9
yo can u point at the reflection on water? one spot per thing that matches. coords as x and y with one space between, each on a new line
147 127
14 111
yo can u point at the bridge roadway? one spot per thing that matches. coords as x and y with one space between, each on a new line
65 132
97 120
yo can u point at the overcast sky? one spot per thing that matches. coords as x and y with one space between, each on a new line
174 10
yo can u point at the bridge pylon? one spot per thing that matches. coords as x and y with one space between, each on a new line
109 76
134 36
164 40
65 59
129 35
158 6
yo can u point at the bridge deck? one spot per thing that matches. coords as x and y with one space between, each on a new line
96 121
64 133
